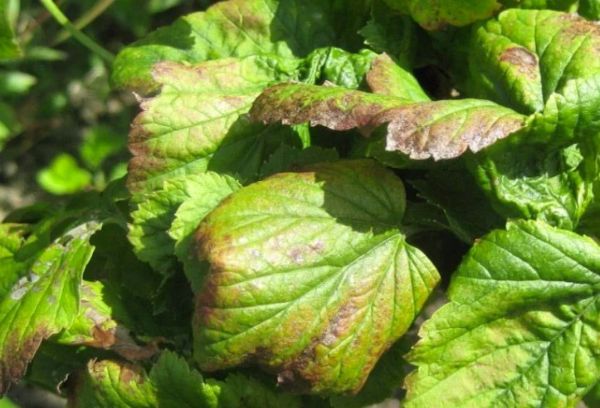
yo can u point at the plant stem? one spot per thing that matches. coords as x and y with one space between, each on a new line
89 16
78 35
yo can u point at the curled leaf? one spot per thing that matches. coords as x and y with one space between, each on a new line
440 129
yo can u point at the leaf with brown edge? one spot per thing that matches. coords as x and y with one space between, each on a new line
441 129
196 122
43 302
238 29
95 327
311 277
170 383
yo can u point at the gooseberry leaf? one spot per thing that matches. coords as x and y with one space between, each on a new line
164 220
522 327
241 28
310 276
536 182
44 301
389 78
12 239
540 62
438 14
196 123
171 383
95 326
441 129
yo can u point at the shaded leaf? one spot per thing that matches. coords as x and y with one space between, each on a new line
391 33
592 398
151 233
468 214
590 9
12 239
311 276
95 326
338 67
289 158
522 327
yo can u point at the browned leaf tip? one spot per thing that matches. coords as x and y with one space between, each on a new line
16 356
414 130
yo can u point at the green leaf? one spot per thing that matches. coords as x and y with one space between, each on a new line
241 28
438 14
6 403
205 193
441 129
99 143
538 183
43 302
311 276
64 176
171 383
12 239
590 222
389 78
336 66
9 49
196 123
16 82
542 62
522 327
151 233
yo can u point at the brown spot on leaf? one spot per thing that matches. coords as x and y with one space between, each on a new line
524 60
